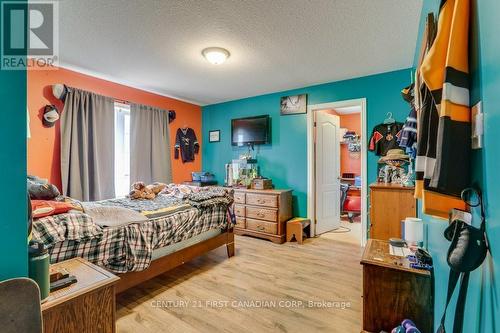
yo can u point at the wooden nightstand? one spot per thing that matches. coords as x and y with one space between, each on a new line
86 306
393 291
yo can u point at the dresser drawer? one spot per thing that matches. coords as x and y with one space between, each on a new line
262 226
262 213
267 200
239 197
240 222
239 210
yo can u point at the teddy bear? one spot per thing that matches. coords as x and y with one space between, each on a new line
141 191
157 187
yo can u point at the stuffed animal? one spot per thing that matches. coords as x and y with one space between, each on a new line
157 187
135 194
138 186
139 190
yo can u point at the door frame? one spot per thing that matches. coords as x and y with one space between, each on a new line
311 186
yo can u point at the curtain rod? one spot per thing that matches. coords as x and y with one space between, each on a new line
122 101
58 88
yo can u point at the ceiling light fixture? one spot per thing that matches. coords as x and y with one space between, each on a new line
215 55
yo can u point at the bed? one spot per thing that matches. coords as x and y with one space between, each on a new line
170 230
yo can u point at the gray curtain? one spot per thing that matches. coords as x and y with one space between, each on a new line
87 146
149 145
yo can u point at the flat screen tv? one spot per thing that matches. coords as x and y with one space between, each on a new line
251 131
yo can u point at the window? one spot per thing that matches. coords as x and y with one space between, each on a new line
122 149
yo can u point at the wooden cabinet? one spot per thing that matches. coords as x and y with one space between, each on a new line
262 213
86 306
389 205
393 291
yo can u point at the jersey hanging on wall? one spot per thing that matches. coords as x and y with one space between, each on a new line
186 142
385 137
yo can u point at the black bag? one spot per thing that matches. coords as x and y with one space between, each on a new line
467 252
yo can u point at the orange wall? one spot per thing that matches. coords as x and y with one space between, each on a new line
347 162
44 144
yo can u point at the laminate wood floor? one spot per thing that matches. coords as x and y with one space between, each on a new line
265 287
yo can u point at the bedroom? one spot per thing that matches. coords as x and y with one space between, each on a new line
131 79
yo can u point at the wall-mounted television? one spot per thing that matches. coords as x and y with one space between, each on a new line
251 131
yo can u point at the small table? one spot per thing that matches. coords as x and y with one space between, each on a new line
393 291
85 306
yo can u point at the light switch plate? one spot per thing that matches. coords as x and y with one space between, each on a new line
477 123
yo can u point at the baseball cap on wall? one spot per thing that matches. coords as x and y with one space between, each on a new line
50 115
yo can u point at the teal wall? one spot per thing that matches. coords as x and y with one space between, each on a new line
486 70
13 248
482 305
285 160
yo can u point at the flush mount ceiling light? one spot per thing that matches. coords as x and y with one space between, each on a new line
215 55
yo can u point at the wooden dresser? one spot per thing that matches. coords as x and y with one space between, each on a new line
393 291
389 205
262 213
86 306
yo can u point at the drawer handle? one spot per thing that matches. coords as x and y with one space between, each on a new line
261 201
260 228
261 214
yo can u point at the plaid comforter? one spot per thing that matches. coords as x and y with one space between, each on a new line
130 247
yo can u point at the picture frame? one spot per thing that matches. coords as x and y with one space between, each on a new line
214 136
294 104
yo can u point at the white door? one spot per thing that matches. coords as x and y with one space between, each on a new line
327 172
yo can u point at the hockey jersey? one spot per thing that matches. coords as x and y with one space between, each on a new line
187 144
385 137
445 73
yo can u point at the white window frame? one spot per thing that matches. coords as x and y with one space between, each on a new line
122 149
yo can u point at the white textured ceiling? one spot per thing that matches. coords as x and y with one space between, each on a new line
275 44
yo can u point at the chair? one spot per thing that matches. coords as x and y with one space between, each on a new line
20 309
349 205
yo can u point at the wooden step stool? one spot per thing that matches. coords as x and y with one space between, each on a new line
295 227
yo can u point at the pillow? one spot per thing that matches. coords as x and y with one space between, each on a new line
110 216
42 208
42 191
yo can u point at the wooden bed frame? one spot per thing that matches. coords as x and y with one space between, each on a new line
166 263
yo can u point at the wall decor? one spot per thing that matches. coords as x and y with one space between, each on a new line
214 136
295 104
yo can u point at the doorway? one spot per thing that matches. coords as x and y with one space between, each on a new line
337 189
327 170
